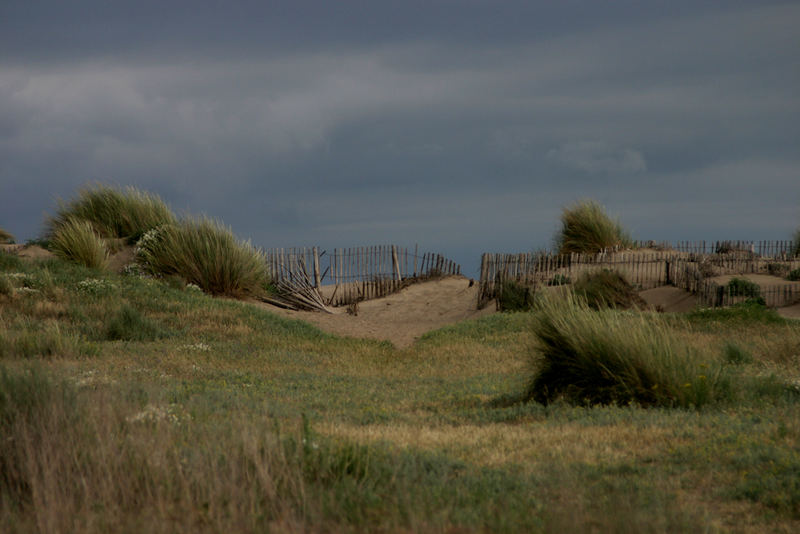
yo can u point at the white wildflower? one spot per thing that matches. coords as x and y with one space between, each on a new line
199 347
172 413
95 286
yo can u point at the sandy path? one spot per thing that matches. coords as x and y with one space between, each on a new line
404 316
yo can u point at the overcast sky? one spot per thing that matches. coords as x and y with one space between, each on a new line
464 126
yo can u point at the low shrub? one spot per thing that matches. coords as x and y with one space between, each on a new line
741 287
114 213
748 312
734 354
585 227
77 241
205 253
607 289
514 297
607 357
793 275
559 280
5 237
777 269
128 324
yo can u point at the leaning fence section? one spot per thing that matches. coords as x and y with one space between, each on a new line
355 274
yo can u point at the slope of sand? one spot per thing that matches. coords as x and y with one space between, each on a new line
790 312
27 251
669 299
404 316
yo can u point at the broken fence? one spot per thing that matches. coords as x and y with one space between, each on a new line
356 274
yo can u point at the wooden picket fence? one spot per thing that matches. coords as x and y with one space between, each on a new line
713 295
644 270
360 273
763 249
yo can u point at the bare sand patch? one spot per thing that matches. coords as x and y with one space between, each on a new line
404 316
790 312
669 299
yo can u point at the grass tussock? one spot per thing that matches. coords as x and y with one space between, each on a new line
128 324
5 237
586 228
77 241
515 297
614 357
204 252
113 213
607 289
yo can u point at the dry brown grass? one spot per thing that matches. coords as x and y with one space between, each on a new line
528 446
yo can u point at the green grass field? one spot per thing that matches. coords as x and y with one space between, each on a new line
128 404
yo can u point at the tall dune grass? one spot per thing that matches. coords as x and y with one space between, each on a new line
5 237
113 212
585 227
204 252
591 357
77 241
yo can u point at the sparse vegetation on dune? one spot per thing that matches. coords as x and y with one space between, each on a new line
206 253
5 237
586 228
114 213
76 240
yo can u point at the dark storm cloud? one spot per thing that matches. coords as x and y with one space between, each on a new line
462 125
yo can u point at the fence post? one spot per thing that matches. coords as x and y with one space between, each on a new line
396 264
317 281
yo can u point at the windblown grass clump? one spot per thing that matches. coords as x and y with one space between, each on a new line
5 237
114 213
77 241
586 228
204 252
614 357
607 289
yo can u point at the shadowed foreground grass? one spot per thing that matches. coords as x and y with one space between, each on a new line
220 416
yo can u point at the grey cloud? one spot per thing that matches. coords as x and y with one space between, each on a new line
597 156
466 124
